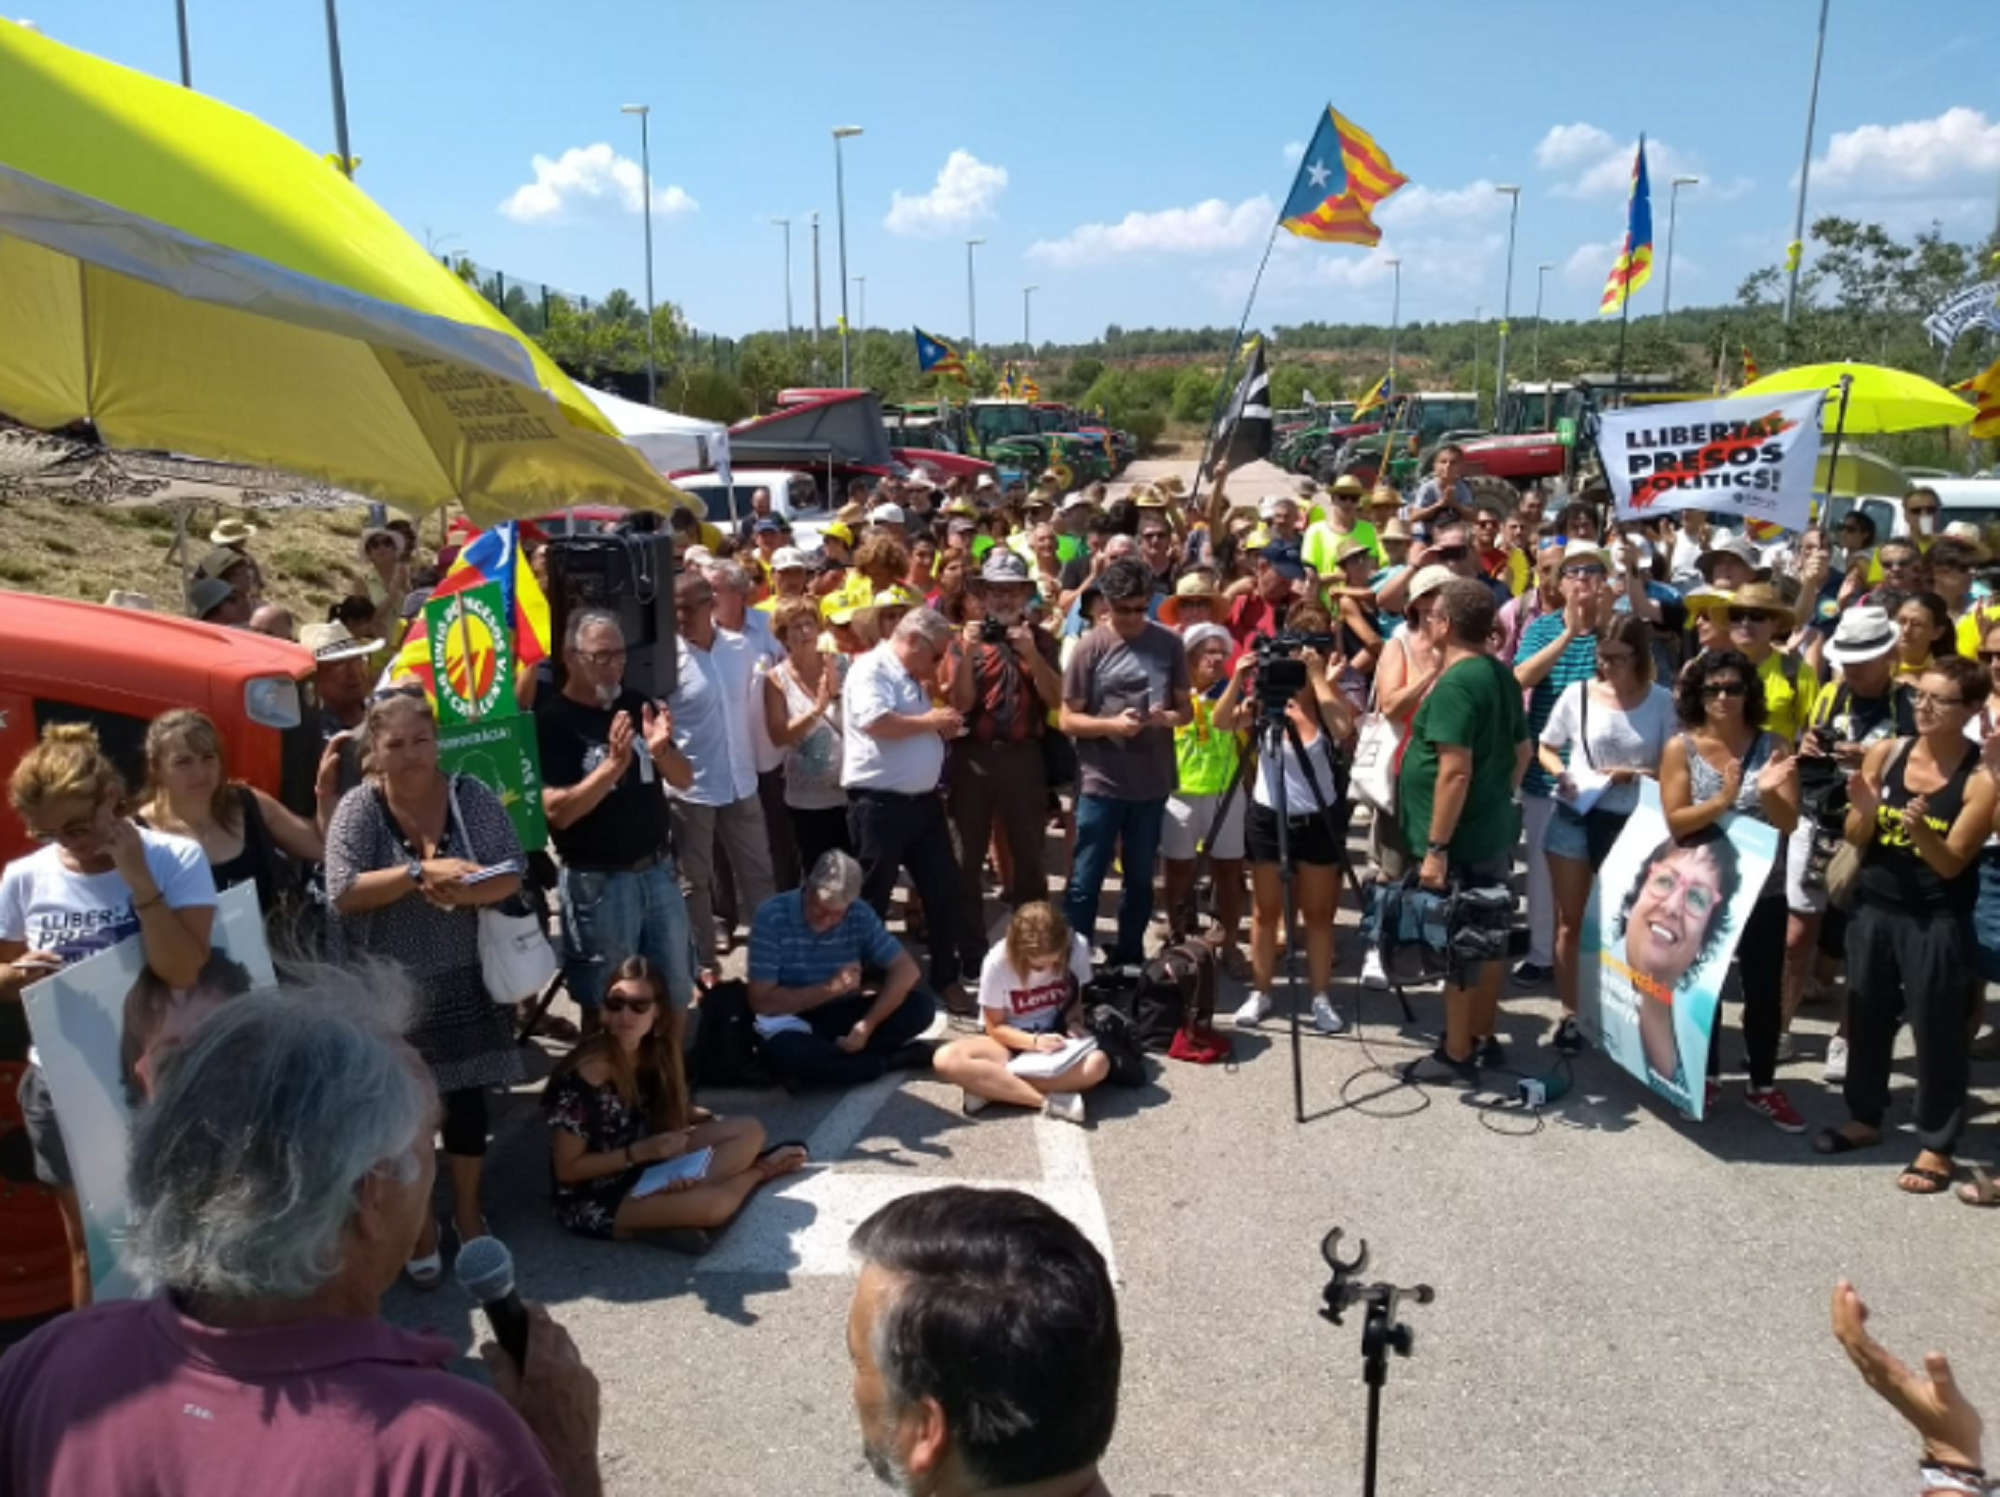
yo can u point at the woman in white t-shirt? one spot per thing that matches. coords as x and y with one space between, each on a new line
100 880
1031 1000
1604 736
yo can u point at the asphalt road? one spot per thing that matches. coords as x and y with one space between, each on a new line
1625 1301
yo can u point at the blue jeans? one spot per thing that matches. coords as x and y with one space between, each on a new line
608 917
1131 828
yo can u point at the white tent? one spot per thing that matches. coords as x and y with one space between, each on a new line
671 443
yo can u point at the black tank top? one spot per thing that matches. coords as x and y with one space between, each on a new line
1894 874
258 861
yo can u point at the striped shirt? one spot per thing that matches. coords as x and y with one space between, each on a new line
787 951
1578 662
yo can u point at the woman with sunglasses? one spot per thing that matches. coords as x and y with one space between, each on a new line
401 852
97 880
1920 810
1724 760
1609 733
618 1104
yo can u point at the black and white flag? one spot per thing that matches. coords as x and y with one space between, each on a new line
1974 307
1246 424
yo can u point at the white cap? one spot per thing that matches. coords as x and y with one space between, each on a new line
985 481
1268 505
886 514
785 558
1077 501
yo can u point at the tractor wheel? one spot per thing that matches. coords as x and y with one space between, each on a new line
1488 491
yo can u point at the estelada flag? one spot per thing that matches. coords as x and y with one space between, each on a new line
492 556
1635 258
1983 390
1749 367
1375 398
935 356
1342 176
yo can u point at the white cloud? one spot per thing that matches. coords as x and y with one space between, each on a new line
1920 156
1599 166
965 192
1206 228
1419 205
1589 264
1567 146
584 178
1294 152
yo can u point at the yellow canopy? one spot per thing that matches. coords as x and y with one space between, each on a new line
187 279
1879 399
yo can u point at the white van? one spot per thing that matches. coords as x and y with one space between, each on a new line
794 494
1974 500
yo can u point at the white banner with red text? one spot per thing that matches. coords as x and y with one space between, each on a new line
1751 458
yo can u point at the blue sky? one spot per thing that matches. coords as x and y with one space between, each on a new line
1126 158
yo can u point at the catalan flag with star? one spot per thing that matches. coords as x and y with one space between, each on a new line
1342 176
1375 399
1635 257
935 356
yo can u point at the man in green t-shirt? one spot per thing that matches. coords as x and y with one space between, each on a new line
1467 751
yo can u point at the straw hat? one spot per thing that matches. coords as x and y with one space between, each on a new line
331 642
1761 596
1194 585
1171 483
1397 529
232 532
1347 484
123 598
1428 580
1348 549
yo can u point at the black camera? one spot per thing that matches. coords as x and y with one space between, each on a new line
992 632
1281 675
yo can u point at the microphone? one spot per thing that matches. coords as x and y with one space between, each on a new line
486 1272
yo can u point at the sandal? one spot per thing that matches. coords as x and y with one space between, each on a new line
1930 1182
1833 1141
427 1272
1981 1191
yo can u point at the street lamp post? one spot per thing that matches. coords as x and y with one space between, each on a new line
339 91
840 133
1541 281
645 113
786 225
1478 316
1673 215
1795 251
1506 299
861 310
1395 318
815 222
971 297
1027 325
181 20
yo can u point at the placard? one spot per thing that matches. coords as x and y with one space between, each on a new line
470 639
504 755
1754 458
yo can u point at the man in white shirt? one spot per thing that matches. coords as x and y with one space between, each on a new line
711 709
734 613
892 762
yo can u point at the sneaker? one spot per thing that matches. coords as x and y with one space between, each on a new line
1254 1011
1064 1107
1568 1038
1326 1018
1775 1105
1488 1051
1372 973
1439 1069
973 1104
1532 974
1835 1070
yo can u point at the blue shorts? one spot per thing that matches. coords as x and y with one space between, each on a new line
1566 837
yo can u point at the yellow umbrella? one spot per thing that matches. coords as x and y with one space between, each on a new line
187 279
1876 399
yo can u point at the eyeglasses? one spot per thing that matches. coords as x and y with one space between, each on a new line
628 1005
1715 689
1450 553
1899 563
1749 616
1921 509
1594 574
76 831
384 543
1129 610
1924 698
600 657
1987 657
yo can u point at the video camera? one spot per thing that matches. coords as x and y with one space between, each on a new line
1281 674
1421 933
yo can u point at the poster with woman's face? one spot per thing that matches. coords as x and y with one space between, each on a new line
103 1027
1658 935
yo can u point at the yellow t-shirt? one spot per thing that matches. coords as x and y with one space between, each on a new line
1790 687
1973 626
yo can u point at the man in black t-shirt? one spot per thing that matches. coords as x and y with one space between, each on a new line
605 752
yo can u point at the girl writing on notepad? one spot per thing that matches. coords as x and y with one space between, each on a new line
618 1107
1035 1051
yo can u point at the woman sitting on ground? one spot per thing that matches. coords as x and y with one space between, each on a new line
619 1103
1030 999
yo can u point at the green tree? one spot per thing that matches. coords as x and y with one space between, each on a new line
1194 392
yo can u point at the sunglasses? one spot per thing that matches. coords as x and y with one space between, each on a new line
628 1005
1128 610
1451 553
1922 509
1987 657
390 693
1717 689
1594 573
1749 616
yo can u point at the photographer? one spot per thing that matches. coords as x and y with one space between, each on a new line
1467 750
1320 716
1000 675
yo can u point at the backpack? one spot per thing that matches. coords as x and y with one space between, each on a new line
1120 1044
1175 1008
726 1048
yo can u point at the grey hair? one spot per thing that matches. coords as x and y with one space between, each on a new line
244 1168
928 625
835 878
727 575
1119 545
592 618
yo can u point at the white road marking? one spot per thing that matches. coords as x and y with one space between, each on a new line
801 1224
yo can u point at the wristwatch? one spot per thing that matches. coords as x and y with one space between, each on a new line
415 870
1439 848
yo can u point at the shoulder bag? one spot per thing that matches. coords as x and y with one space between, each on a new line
515 957
1378 752
1600 827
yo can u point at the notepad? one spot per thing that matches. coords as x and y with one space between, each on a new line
1046 1063
491 871
658 1177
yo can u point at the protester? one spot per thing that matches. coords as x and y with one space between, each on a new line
732 589
996 779
97 880
1927 631
1467 749
605 753
275 620
1604 736
277 1181
1445 494
1543 596
385 575
939 1412
1030 1001
837 1000
1124 692
1725 760
1323 537
1207 751
1920 810
802 711
1260 613
213 601
619 1103
713 719
401 852
340 682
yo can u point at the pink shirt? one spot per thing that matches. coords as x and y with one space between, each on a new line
132 1396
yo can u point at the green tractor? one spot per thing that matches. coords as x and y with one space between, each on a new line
1074 459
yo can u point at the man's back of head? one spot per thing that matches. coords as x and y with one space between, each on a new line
985 1339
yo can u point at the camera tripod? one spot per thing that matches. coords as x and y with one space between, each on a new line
1381 1331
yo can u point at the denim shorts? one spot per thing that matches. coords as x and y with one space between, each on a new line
1566 837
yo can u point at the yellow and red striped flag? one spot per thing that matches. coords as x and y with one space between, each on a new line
1635 257
1983 390
1342 176
1749 366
